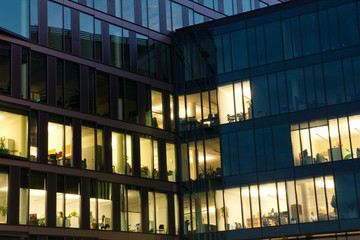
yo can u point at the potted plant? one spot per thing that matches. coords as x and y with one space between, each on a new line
2 145
3 209
225 213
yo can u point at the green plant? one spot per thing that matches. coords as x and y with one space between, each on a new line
73 214
226 214
3 209
2 145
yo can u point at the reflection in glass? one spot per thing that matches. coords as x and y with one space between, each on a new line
38 77
171 162
19 24
55 25
87 35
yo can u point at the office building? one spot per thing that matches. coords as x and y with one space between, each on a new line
122 120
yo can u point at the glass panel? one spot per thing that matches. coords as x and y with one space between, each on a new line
131 108
200 159
14 134
118 153
37 199
87 148
187 216
99 150
19 24
199 212
55 25
220 216
134 210
93 214
116 50
177 20
4 189
283 208
34 21
212 212
161 213
72 210
268 203
25 61
239 102
34 137
320 143
306 150
232 211
156 173
98 40
55 143
172 113
346 195
157 109
153 10
182 113
260 92
87 35
146 157
72 86
151 204
105 206
102 94
306 200
345 140
254 197
67 29
101 5
226 104
38 77
335 154
354 122
321 201
143 56
177 214
245 197
247 100
192 161
335 92
68 145
60 209
128 10
171 162
331 199
128 155
212 156
292 205
123 209
193 105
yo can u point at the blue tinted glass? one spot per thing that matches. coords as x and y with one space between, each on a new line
310 87
154 22
168 15
260 42
348 25
334 83
55 25
18 24
319 85
228 7
34 21
234 154
246 151
356 65
334 28
176 15
252 47
209 3
90 3
225 155
227 52
282 146
260 96
118 8
296 37
309 34
101 5
144 15
260 155
296 89
282 92
219 54
128 12
349 80
87 35
246 6
198 18
239 49
288 50
274 103
324 31
269 152
191 17
274 50
345 195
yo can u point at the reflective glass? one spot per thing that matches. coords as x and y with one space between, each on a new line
19 24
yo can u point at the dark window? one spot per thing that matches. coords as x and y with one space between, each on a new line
131 107
87 35
334 83
309 34
282 146
38 77
234 154
34 21
60 83
72 83
225 156
166 62
260 96
246 151
296 89
274 48
346 195
102 94
55 25
98 40
115 45
5 68
348 25
239 49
